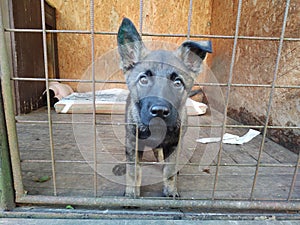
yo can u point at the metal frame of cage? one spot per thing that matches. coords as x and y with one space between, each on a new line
213 202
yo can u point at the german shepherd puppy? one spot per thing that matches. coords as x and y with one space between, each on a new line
159 83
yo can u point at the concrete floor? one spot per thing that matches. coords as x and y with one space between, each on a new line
6 221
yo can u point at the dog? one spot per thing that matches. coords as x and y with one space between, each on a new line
159 84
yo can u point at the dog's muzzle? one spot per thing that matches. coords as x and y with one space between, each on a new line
152 106
156 113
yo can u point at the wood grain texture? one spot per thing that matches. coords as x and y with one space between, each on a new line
161 17
254 61
255 64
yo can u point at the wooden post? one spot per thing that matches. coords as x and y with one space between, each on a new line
6 186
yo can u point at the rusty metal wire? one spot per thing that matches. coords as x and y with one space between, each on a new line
271 96
48 96
156 34
123 82
227 95
92 34
190 20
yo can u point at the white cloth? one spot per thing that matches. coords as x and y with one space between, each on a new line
231 139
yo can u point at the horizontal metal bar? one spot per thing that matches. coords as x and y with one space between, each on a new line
123 82
265 165
59 31
148 203
67 80
247 85
58 161
246 37
46 122
220 36
213 165
155 34
123 124
243 126
74 122
129 214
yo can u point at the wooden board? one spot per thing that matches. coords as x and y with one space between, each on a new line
110 101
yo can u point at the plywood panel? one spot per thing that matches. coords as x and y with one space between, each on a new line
255 63
164 17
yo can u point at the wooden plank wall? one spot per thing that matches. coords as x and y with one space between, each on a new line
27 55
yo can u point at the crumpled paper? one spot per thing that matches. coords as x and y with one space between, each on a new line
231 138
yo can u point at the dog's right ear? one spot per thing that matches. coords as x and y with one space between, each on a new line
192 54
130 45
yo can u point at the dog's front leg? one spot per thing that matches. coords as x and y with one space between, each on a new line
133 180
133 171
170 174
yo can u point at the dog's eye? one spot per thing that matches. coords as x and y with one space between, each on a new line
143 80
178 83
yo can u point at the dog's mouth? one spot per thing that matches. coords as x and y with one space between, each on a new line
158 117
154 134
144 131
156 129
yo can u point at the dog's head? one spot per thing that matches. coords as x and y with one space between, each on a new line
159 81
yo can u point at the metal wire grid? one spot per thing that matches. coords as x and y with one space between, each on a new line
251 204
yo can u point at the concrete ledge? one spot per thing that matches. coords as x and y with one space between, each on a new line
15 221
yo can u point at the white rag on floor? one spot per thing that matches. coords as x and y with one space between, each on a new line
231 139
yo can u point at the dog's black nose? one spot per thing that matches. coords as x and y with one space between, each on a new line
160 111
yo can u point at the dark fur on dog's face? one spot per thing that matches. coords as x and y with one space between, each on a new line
160 89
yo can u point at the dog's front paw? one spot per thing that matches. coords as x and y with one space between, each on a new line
129 195
173 193
119 170
132 192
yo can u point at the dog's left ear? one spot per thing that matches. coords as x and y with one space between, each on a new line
130 45
193 53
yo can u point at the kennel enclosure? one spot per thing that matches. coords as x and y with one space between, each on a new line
254 65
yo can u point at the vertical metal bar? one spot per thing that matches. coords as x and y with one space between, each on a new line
141 16
190 19
7 92
136 161
48 96
261 148
237 25
136 158
92 27
179 147
294 179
